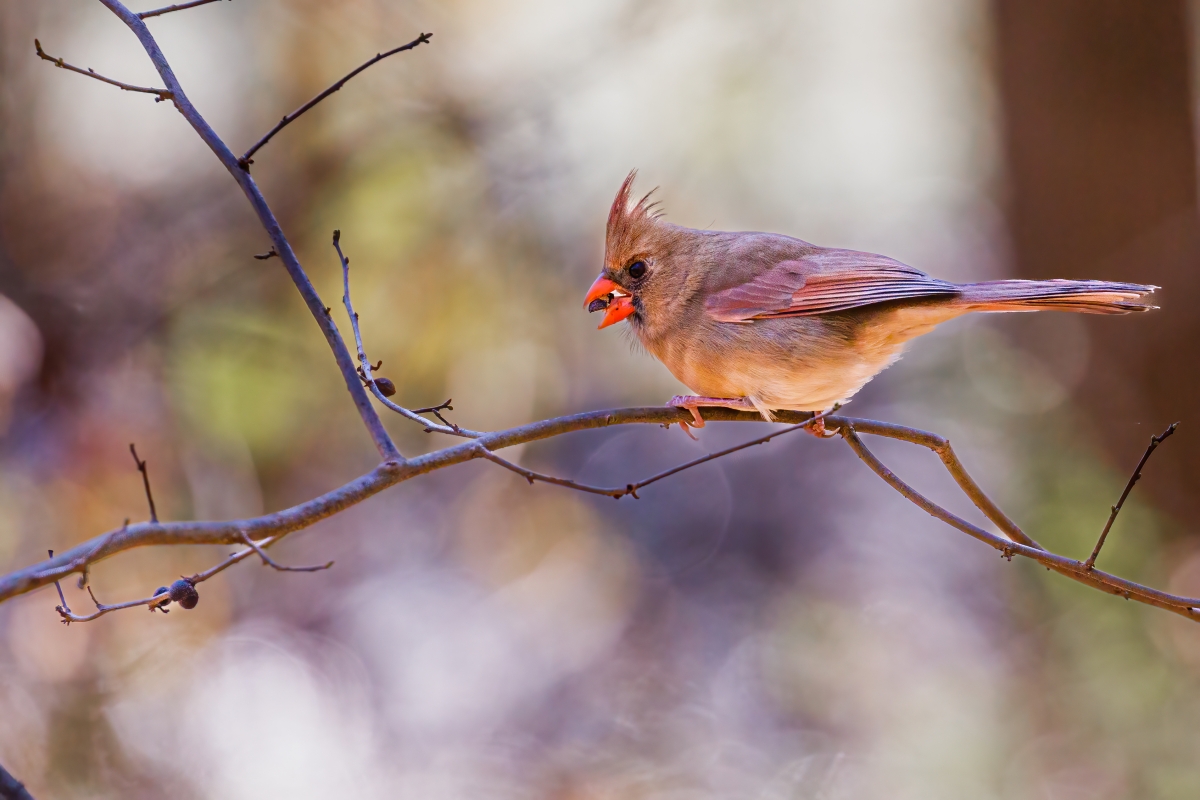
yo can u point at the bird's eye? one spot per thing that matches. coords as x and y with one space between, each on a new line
637 269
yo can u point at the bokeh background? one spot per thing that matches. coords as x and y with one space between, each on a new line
777 624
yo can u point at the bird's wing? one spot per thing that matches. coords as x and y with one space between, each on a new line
823 282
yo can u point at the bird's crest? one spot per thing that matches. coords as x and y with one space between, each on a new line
628 224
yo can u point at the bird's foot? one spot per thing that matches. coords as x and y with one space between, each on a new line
817 426
693 404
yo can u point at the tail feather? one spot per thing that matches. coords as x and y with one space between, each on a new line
1087 297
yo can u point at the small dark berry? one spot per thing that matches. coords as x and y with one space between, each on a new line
184 592
599 304
161 590
386 387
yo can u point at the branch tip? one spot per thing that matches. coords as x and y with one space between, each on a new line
1155 441
269 562
141 466
292 117
160 94
158 12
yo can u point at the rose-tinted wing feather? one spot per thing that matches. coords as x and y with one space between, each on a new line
821 283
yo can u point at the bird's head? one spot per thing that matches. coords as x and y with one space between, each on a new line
637 253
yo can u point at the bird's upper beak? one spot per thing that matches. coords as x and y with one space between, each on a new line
616 308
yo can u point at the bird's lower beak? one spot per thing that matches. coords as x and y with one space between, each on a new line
615 308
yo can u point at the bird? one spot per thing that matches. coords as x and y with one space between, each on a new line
765 322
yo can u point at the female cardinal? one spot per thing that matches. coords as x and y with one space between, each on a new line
761 321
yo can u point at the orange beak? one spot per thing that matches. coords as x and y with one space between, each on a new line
618 308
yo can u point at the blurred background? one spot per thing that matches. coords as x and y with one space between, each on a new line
777 624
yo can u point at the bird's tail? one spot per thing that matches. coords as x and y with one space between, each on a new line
1087 297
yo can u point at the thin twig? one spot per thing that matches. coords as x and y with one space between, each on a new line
160 94
365 368
430 427
436 411
68 616
269 254
158 12
632 488
364 365
940 446
245 161
161 599
269 562
1155 441
234 558
442 406
760 440
1075 570
62 598
141 465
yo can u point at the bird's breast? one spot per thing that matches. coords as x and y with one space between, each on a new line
797 363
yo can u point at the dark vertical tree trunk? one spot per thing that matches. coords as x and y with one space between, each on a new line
1102 184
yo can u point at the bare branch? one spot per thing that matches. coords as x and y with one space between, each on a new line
632 488
185 586
163 597
387 474
269 562
1076 570
61 597
365 368
364 364
234 558
532 476
264 256
430 427
245 161
69 616
437 412
941 447
141 465
160 94
1155 441
813 421
158 12
277 525
442 406
383 442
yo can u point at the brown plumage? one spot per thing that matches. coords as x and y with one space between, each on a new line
765 321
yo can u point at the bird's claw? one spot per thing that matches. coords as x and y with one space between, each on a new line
817 426
683 401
